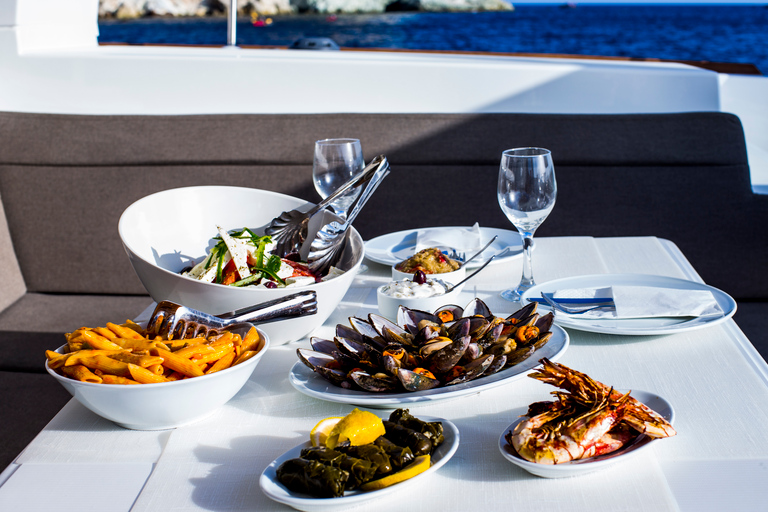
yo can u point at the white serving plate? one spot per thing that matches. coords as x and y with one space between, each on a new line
395 247
310 383
274 490
584 466
633 326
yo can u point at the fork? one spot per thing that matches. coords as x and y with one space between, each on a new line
174 320
575 310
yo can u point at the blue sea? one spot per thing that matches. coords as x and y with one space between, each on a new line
714 33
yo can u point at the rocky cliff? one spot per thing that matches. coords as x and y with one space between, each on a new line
143 8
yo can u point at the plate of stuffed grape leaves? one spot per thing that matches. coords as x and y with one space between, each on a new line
359 457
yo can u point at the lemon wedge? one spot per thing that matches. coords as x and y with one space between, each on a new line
419 465
319 434
359 427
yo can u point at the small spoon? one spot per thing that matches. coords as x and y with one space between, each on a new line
481 250
449 290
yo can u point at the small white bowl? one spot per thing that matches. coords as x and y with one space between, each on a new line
388 305
167 231
165 405
448 277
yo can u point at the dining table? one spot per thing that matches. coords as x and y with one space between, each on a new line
713 377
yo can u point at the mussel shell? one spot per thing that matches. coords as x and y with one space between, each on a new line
413 381
445 358
477 308
322 345
370 334
323 364
544 323
523 312
455 311
375 383
362 353
472 370
389 331
520 354
409 319
498 363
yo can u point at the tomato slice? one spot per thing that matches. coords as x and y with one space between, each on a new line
229 273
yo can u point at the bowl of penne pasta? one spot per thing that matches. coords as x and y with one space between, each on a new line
204 247
143 382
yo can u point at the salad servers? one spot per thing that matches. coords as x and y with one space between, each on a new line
330 240
174 320
289 230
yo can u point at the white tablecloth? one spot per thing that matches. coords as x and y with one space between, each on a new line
712 376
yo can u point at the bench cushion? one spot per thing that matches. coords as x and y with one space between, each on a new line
683 177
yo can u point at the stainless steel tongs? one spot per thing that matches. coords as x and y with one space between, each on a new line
172 320
289 230
327 247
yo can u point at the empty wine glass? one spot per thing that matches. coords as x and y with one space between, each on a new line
526 193
335 162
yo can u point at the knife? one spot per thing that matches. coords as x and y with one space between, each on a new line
571 300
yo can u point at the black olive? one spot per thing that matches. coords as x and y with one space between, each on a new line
270 284
419 277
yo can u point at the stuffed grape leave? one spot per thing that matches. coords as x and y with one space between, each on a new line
313 478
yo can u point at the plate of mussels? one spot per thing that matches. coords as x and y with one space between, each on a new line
423 357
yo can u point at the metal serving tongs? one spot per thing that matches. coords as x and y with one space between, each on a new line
328 244
289 230
172 320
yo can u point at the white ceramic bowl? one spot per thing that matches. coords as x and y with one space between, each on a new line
165 405
388 305
165 232
448 277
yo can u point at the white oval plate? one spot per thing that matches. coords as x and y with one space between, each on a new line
395 247
310 383
583 466
275 490
633 326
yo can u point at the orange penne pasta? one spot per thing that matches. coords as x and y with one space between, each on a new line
251 340
110 335
116 379
144 361
144 376
81 373
139 345
198 350
217 354
222 364
76 357
157 369
180 364
124 332
56 360
106 365
97 341
245 356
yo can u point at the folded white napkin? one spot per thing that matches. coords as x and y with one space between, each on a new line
647 302
465 240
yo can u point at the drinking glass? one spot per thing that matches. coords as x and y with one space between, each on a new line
335 162
526 193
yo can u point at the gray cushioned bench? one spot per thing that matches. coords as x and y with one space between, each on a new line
65 180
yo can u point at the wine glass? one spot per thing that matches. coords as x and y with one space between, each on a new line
526 193
335 162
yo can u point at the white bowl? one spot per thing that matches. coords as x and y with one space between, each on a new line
165 232
388 305
165 405
448 277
